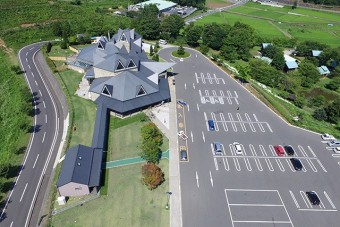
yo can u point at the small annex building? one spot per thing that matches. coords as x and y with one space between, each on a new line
323 70
81 171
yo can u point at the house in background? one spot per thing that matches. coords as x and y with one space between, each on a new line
265 45
316 53
291 63
323 70
162 5
81 171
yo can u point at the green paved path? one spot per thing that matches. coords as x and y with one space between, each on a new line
130 161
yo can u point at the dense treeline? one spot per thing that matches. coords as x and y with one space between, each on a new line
16 112
324 2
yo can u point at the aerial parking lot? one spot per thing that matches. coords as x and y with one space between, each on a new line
245 165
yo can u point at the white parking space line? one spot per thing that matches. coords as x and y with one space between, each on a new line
329 200
36 83
312 165
226 164
310 149
32 75
285 209
193 86
185 86
209 78
26 54
198 185
302 150
26 59
216 165
232 122
290 165
22 195
29 66
192 137
203 136
44 104
202 78
241 123
250 123
261 127
280 165
230 215
257 161
46 118
196 78
269 164
216 79
188 107
272 222
198 108
211 180
213 116
270 129
224 123
317 210
205 116
246 160
305 199
294 199
11 224
324 169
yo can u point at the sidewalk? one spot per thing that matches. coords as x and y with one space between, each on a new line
131 161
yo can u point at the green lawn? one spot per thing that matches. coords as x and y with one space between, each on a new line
57 51
128 203
84 110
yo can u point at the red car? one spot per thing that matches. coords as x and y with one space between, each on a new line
279 150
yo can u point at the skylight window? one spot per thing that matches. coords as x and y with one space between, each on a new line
141 91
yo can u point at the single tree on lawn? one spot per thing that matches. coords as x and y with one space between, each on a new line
180 50
152 175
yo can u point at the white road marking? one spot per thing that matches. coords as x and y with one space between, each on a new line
230 215
316 210
185 86
26 60
257 161
22 195
310 149
33 75
43 137
290 165
257 205
45 118
193 85
197 180
36 83
203 136
216 165
198 108
211 179
11 224
40 93
321 165
192 137
44 104
294 199
273 222
29 66
305 199
329 200
226 164
26 54
188 107
35 161
196 78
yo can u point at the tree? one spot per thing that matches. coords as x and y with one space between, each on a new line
334 84
264 73
278 61
317 101
48 47
152 139
294 6
147 23
212 35
320 114
172 25
57 29
229 53
309 74
155 57
193 35
204 49
151 50
180 50
244 71
333 111
152 175
270 51
305 48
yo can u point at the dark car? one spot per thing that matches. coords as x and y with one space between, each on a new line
211 125
313 198
184 155
289 150
181 102
296 163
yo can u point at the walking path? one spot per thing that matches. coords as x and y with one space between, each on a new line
130 161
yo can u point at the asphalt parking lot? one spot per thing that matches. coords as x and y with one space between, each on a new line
256 187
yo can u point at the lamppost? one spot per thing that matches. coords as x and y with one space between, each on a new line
168 194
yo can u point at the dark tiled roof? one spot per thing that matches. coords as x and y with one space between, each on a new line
81 166
99 138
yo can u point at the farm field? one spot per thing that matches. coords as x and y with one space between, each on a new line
303 24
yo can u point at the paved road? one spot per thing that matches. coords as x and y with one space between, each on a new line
257 188
26 198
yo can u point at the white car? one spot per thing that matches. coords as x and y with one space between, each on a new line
327 137
336 150
334 143
237 147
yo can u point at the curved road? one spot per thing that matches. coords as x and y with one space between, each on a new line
26 198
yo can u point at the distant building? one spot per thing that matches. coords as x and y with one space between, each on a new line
323 70
265 45
291 63
265 59
162 5
316 53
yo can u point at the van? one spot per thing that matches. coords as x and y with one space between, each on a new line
217 148
184 155
162 41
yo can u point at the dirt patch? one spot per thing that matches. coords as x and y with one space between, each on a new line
6 49
27 25
215 5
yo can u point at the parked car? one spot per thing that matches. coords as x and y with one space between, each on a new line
334 143
313 198
162 41
296 163
184 155
211 125
336 150
327 137
289 149
181 102
238 148
217 148
279 150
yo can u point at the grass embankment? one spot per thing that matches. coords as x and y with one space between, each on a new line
185 55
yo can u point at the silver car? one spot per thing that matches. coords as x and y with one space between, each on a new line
334 143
